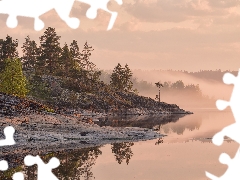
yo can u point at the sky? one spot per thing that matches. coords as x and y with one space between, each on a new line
187 35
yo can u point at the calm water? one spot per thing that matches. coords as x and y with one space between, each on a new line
184 154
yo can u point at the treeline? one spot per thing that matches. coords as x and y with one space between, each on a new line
216 75
168 86
67 62
61 76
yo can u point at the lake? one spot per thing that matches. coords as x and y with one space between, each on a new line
185 153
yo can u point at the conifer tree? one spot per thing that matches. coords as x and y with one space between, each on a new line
8 49
76 55
121 78
86 53
50 50
30 54
66 61
12 80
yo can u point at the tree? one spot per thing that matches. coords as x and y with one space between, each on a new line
30 54
8 49
66 61
178 85
76 55
159 85
50 50
122 151
121 78
12 80
86 53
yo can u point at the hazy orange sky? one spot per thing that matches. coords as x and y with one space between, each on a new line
151 34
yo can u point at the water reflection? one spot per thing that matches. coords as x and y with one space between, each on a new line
159 141
91 163
75 164
122 151
138 121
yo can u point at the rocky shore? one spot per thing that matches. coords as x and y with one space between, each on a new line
41 129
37 133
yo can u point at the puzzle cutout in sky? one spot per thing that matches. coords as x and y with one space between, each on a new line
36 8
232 131
44 170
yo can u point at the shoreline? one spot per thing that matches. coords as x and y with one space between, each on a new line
44 133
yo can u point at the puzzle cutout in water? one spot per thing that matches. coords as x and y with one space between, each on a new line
36 8
44 170
232 131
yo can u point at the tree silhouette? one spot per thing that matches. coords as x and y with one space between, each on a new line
50 50
30 54
8 49
121 78
122 151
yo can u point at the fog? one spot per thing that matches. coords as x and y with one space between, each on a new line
211 88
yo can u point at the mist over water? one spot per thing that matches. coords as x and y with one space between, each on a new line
210 86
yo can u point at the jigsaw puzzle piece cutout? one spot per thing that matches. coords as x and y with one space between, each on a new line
221 104
18 176
44 170
36 8
9 139
234 101
3 165
229 78
232 172
101 4
232 131
63 8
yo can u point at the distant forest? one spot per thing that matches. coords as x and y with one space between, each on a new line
211 74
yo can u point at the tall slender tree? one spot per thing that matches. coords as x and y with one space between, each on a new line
76 55
30 54
66 61
50 50
8 49
86 53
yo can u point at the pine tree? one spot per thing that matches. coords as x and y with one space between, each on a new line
76 55
127 78
121 78
30 54
86 53
12 80
8 49
50 50
66 61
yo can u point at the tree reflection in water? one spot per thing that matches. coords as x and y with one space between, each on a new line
77 164
74 164
159 141
122 151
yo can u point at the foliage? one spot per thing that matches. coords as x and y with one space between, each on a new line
122 151
12 79
30 54
8 49
121 78
38 88
50 50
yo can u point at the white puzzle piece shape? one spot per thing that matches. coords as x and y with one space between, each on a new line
232 131
9 139
18 176
3 165
232 172
36 8
44 170
101 4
